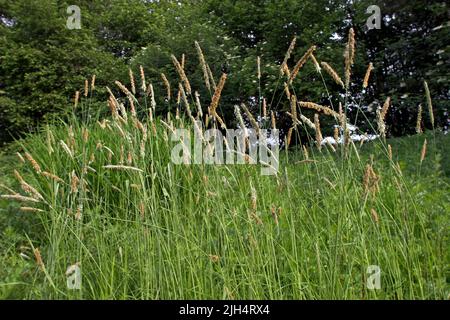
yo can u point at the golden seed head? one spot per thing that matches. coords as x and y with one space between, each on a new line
132 83
289 137
301 62
143 84
419 120
167 85
39 261
367 76
424 151
180 69
429 103
319 137
33 162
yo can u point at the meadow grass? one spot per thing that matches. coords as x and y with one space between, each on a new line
193 232
104 194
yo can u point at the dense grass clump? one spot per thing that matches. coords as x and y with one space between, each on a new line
103 194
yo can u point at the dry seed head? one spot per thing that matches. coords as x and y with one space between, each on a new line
178 97
351 45
286 71
301 62
381 124
238 114
319 138
308 122
253 198
85 133
123 111
132 83
151 93
264 108
211 77
71 138
429 103
66 148
132 108
385 108
374 215
79 212
74 182
370 180
287 56
185 101
221 122
30 209
8 189
349 56
294 109
286 90
181 73
122 88
143 84
199 105
217 93
424 151
331 146
305 152
202 60
390 152
76 99
112 107
274 122
214 258
129 158
333 74
324 109
336 134
50 141
258 62
142 149
274 214
33 162
289 137
316 64
39 261
251 118
18 197
20 157
120 167
27 188
142 209
112 97
52 176
122 154
167 85
295 121
86 87
93 82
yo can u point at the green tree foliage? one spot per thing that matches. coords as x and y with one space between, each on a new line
42 63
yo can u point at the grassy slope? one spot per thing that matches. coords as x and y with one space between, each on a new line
320 249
